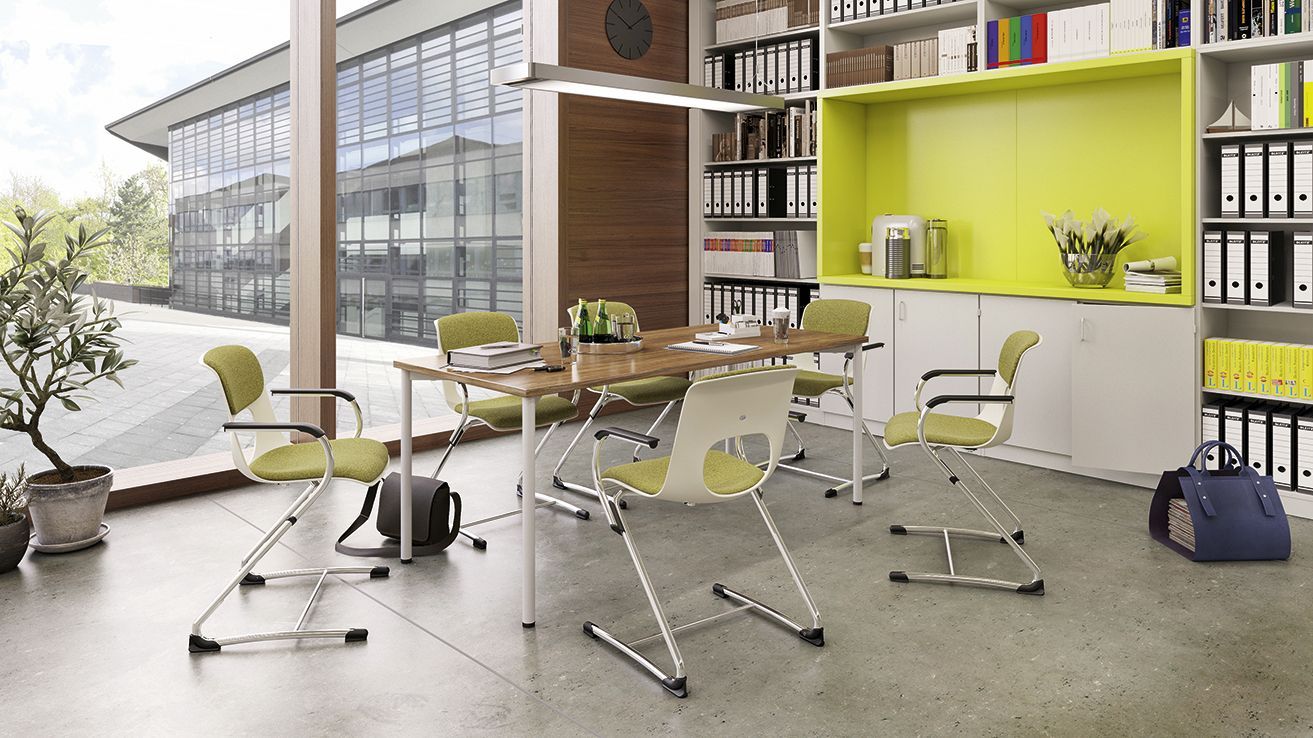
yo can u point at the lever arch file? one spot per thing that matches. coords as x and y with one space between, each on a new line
791 192
812 185
1282 446
763 189
1214 263
717 195
1237 268
1210 422
1302 283
726 195
1256 441
1253 186
706 194
1233 425
1304 452
1265 262
1301 180
1232 174
1278 180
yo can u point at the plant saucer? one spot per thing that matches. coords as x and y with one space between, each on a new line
56 548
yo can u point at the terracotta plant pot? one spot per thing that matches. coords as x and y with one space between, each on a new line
13 543
68 512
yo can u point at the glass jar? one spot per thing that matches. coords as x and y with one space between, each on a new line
936 249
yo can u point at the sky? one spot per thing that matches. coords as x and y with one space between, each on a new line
68 67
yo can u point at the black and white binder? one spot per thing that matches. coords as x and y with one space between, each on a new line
836 10
1301 179
708 71
738 193
1282 446
718 71
771 71
726 195
794 66
1265 267
717 194
791 192
861 10
1214 267
707 197
759 72
1256 437
849 9
1304 452
1210 424
805 64
1302 274
1278 180
812 186
740 72
1237 268
1233 425
762 192
1232 173
1254 183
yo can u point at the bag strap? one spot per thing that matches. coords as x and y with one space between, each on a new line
1200 492
1248 473
394 549
1230 457
1252 475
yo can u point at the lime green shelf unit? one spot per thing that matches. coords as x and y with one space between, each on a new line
989 151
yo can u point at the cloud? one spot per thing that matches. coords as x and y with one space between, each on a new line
68 67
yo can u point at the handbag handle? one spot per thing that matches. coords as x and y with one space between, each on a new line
1230 456
1246 472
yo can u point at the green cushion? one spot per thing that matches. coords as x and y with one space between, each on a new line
503 413
837 316
463 330
361 459
940 430
650 391
815 384
239 374
745 370
724 473
1009 357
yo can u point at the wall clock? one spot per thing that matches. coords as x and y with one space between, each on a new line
629 28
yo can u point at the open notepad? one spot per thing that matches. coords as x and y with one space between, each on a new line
712 348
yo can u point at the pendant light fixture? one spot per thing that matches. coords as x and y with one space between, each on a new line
574 81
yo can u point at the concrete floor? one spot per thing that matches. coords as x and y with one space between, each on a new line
1131 639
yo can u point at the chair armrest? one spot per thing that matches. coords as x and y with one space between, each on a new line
247 425
641 439
973 399
340 394
867 347
957 373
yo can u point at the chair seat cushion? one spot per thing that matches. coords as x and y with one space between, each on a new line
940 430
361 459
650 391
725 474
814 384
503 413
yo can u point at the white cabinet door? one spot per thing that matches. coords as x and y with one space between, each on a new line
1042 417
1134 387
878 387
935 330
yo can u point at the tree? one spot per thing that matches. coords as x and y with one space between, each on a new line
139 223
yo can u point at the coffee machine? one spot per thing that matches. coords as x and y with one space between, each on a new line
916 227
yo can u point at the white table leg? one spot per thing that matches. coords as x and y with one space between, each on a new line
407 467
858 441
528 509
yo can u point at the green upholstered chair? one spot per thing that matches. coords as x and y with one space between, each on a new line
501 413
993 426
834 316
273 460
726 408
667 391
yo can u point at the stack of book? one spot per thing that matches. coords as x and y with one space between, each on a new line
743 19
781 254
1144 25
859 66
957 50
1230 20
1268 368
1277 95
1161 283
916 59
795 254
1180 527
769 134
493 355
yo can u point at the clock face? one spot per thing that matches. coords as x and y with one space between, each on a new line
629 28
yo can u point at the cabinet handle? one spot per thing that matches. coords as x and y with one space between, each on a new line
902 310
1082 330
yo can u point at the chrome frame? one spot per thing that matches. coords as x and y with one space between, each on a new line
466 422
1013 538
677 683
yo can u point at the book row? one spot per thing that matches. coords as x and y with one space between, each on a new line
738 20
1230 20
1254 268
769 134
774 69
1277 95
764 192
780 254
1274 439
952 51
1137 25
1272 180
846 10
1270 368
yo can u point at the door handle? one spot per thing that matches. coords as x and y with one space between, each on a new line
1082 330
902 310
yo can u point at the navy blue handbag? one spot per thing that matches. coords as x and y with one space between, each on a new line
1235 511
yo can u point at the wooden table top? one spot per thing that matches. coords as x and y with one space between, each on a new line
654 360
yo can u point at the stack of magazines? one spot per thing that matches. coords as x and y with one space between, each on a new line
1180 527
1162 283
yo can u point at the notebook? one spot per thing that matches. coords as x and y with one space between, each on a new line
713 348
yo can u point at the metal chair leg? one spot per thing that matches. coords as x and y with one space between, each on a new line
840 483
199 643
651 431
1013 539
561 484
548 500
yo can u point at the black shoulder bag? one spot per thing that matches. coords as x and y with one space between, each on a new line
433 503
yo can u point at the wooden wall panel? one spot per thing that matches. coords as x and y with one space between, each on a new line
624 172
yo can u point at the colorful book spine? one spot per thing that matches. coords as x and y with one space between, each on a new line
991 45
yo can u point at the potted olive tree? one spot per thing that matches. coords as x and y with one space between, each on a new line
54 343
13 523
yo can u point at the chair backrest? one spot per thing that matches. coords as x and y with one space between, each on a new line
244 389
1005 382
475 328
614 308
837 316
751 402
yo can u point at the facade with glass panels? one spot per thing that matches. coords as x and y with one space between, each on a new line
429 189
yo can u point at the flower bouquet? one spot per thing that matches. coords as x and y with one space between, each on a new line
1089 251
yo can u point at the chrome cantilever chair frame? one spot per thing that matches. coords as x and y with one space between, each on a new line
268 435
1000 400
676 683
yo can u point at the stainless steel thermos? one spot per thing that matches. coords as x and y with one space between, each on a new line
898 252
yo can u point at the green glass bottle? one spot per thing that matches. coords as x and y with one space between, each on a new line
603 332
583 325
